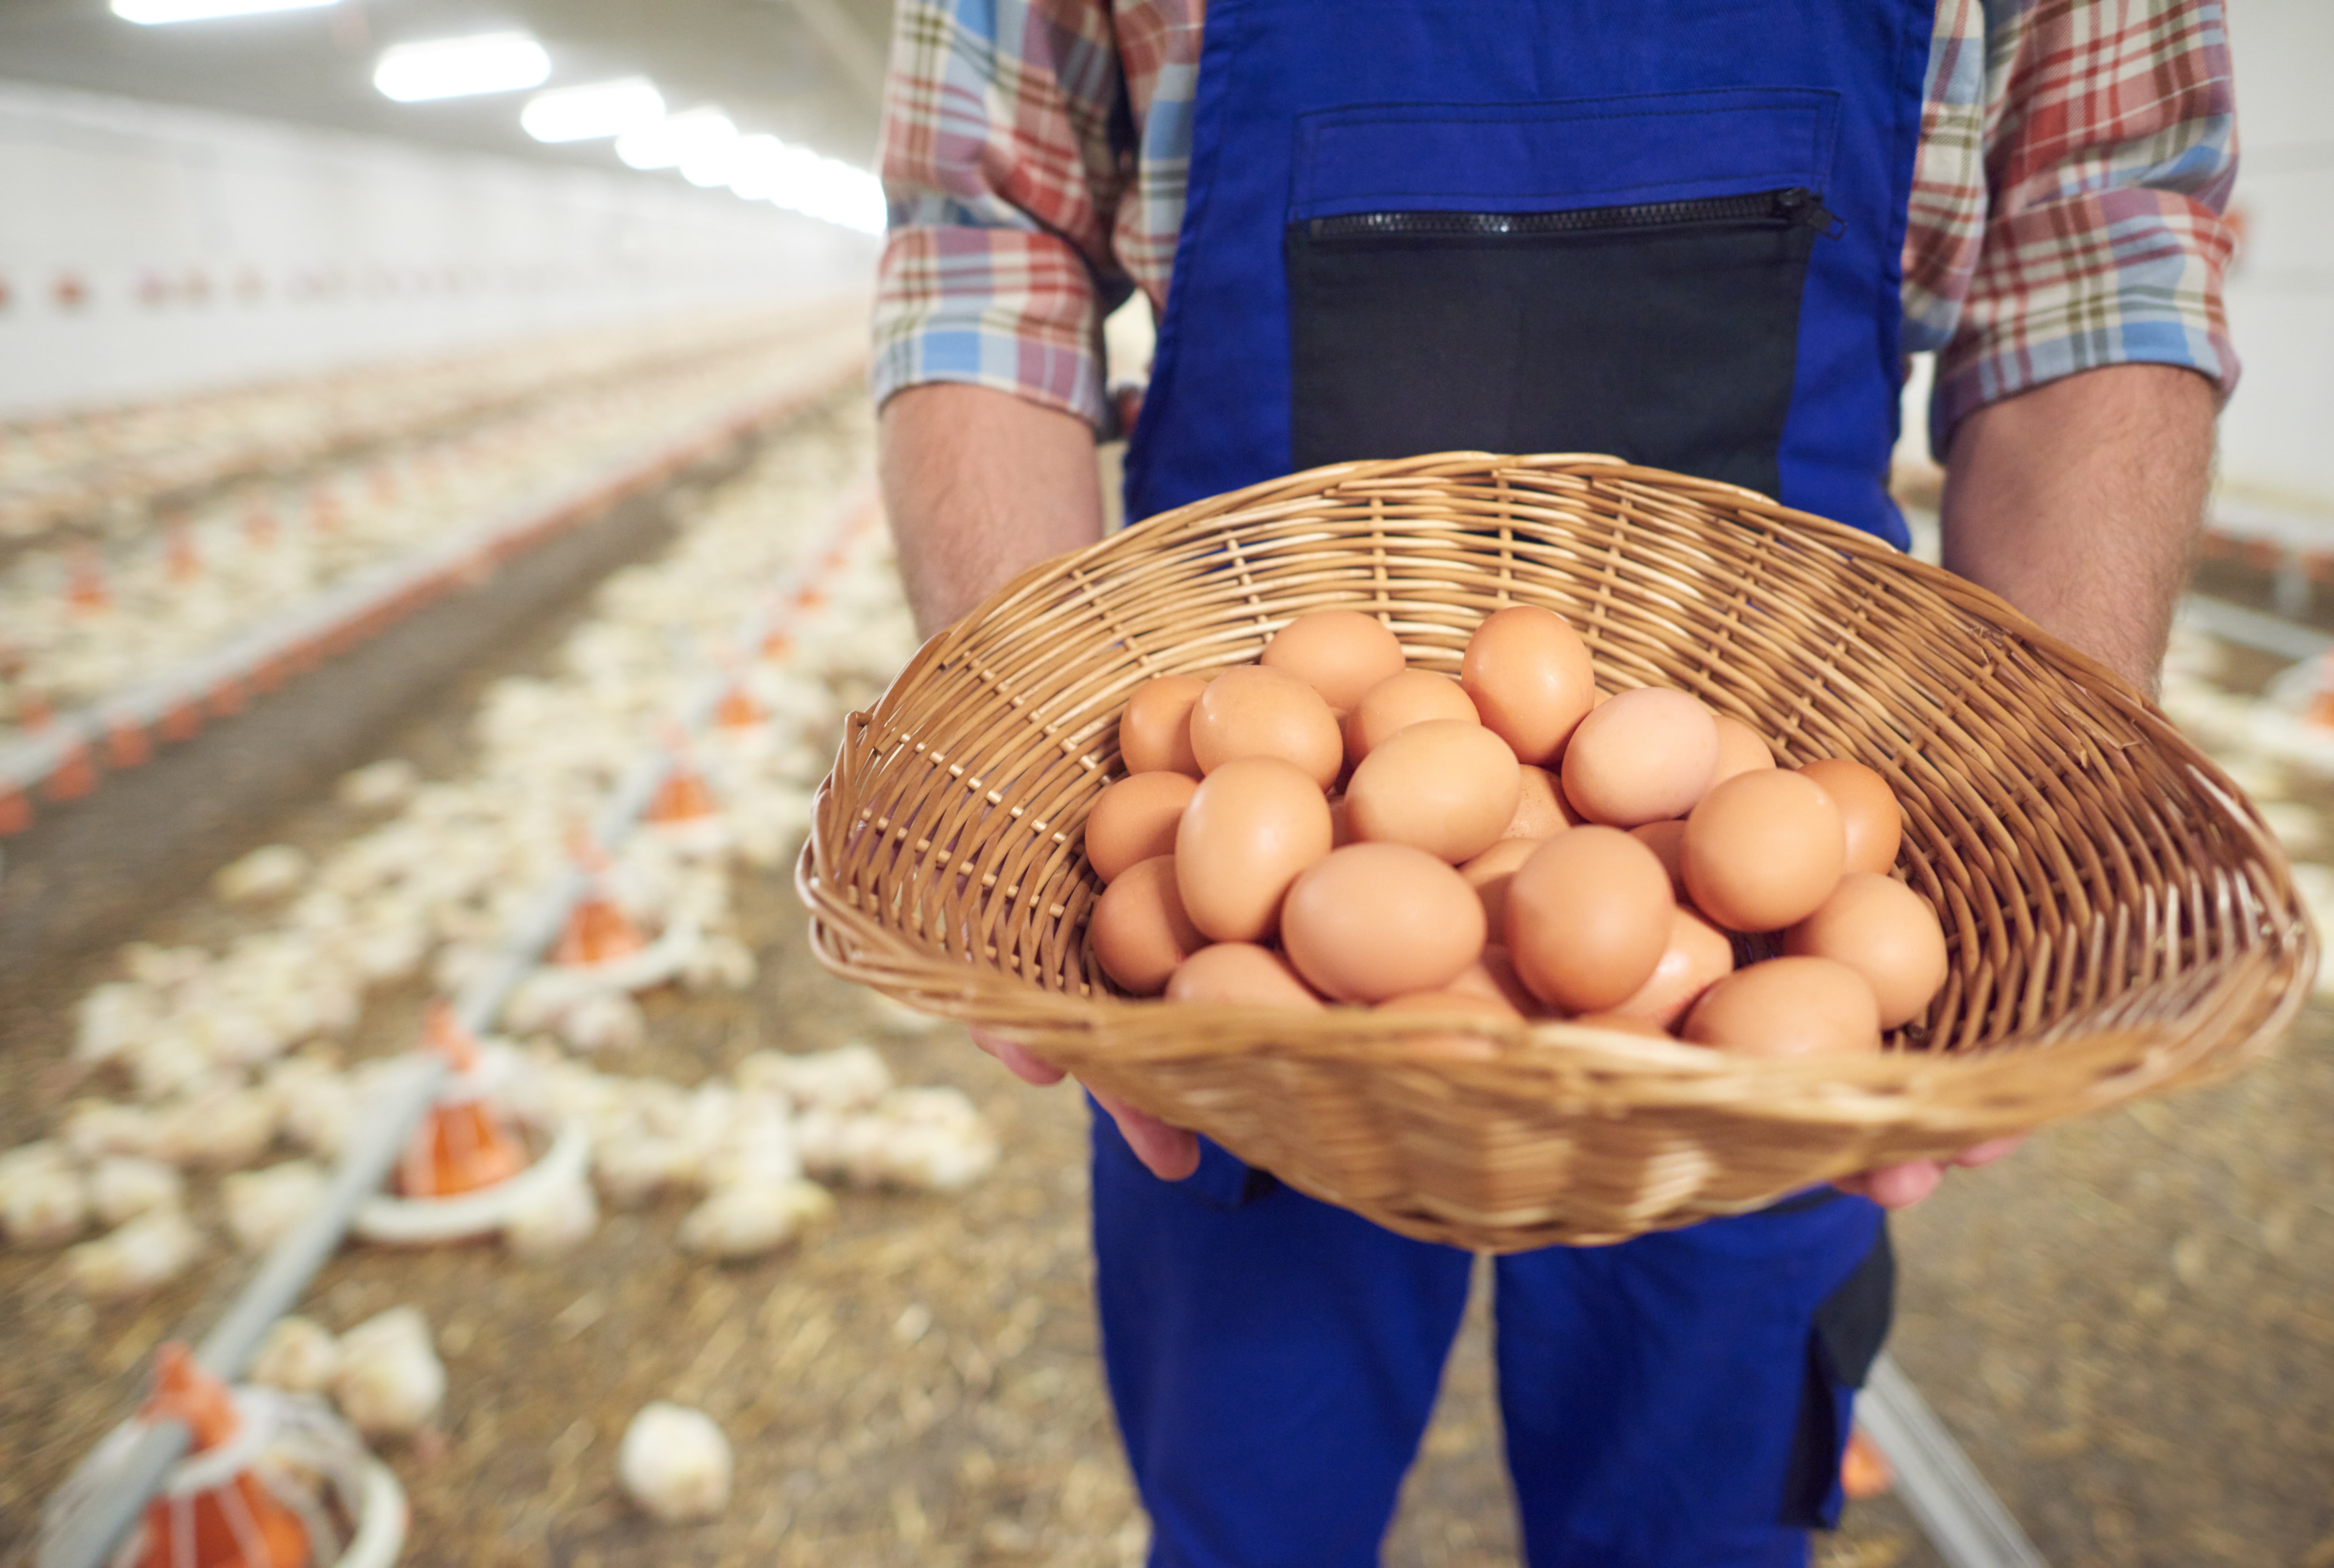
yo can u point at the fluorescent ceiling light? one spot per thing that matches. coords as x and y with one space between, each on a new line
460 67
763 168
585 113
158 12
673 141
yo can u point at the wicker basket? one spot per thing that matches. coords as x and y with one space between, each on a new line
2120 922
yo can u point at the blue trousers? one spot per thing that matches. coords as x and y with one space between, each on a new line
1675 1401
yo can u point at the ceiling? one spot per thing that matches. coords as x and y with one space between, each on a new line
806 69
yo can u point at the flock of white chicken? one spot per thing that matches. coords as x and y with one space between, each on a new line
231 1065
82 622
114 463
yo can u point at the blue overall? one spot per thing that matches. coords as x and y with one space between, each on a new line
1670 230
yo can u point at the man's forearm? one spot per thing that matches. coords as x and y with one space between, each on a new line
981 485
2080 501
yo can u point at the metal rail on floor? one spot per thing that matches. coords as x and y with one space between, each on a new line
89 1539
1951 1502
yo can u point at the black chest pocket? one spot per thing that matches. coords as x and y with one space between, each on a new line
1663 333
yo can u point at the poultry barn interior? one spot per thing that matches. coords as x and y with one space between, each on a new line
440 552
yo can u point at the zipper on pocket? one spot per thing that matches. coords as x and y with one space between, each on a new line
1795 204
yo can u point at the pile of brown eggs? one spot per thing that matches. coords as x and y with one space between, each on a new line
1330 825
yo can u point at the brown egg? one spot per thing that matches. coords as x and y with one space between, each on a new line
1250 711
1445 785
1252 825
1763 850
1787 1007
1739 750
1619 1024
1876 822
1697 956
1452 1046
1399 701
1154 732
1530 678
1494 974
1588 917
1339 653
1134 819
1644 755
1885 932
1379 920
1540 806
1241 975
1139 929
1490 873
1668 841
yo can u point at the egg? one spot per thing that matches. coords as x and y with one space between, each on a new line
1339 653
1697 956
1668 841
1445 786
1619 1024
1588 917
1739 750
1494 976
1885 932
1154 732
1399 701
1452 1045
1791 1006
1241 975
1252 825
1139 929
1375 920
1644 755
1867 806
1540 808
1134 819
1251 711
1762 850
1490 873
1530 678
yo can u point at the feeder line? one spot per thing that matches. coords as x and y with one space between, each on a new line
1951 1502
388 1123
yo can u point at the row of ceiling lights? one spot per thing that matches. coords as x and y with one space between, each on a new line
701 143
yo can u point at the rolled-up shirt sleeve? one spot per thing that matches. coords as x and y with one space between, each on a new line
1006 148
2110 149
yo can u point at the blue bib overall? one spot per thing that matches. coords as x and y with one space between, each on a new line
1667 229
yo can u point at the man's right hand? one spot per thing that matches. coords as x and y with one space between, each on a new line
1168 1153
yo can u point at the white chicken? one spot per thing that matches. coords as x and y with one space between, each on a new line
298 1355
675 1463
122 1187
390 1381
132 1259
263 1205
745 1219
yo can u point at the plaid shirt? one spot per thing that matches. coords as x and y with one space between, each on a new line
2074 162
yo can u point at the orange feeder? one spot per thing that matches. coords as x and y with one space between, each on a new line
229 1521
179 556
738 709
467 1142
597 932
86 588
682 797
1865 1472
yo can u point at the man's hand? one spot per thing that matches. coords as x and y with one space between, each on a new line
1903 1185
1168 1153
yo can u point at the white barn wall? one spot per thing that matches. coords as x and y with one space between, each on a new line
213 249
2276 432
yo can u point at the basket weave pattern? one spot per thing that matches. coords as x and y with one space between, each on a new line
2119 921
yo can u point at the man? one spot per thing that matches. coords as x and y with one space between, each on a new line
1698 234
